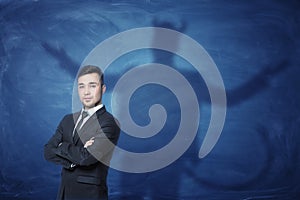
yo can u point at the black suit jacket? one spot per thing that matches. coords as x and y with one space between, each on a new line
87 180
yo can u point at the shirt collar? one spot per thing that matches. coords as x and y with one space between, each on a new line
91 111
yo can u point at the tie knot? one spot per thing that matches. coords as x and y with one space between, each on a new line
84 114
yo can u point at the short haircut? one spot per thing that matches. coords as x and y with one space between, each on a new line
89 69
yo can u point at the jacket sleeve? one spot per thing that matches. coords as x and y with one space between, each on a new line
104 143
51 146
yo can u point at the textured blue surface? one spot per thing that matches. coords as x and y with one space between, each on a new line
255 44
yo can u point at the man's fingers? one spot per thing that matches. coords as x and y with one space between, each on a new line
88 143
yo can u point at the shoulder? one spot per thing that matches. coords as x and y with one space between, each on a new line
106 117
71 117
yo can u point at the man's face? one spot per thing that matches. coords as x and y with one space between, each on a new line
90 90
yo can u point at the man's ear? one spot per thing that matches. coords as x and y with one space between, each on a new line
103 88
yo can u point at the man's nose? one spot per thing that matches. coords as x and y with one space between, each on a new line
87 90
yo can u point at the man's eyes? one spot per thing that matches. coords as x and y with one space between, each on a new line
90 86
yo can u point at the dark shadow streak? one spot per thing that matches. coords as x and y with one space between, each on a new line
255 85
168 59
65 61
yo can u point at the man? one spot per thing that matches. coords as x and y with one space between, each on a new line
84 141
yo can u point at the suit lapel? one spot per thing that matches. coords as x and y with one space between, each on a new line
74 134
91 124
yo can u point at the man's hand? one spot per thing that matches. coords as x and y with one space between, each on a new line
89 142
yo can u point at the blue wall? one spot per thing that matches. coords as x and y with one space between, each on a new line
255 44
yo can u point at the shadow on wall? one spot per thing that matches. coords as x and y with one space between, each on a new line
244 92
66 63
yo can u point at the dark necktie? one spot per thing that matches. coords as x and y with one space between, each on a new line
84 114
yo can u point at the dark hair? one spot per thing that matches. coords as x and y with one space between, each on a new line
89 69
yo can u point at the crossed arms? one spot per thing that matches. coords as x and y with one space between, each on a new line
64 152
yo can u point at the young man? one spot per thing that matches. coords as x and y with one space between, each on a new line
84 141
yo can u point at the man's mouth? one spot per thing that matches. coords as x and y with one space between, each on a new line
87 99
